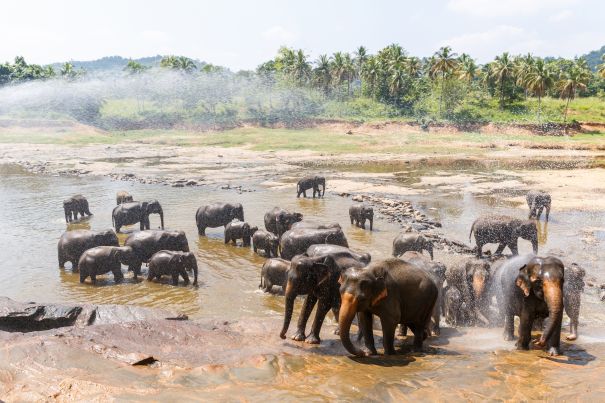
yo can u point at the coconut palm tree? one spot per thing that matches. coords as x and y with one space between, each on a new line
322 75
502 69
413 65
349 68
361 57
300 70
539 79
133 67
467 69
338 68
371 73
571 82
443 64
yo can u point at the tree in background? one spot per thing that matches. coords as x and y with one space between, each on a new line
361 57
180 63
601 68
572 82
133 67
539 78
322 75
502 69
443 64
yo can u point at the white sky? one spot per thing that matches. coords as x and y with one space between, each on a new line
242 34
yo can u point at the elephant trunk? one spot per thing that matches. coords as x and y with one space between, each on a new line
554 300
290 296
371 223
323 185
194 266
348 310
161 213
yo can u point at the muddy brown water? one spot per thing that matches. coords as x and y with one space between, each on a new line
462 364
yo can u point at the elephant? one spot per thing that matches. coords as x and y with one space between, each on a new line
315 274
411 241
239 230
311 225
72 244
146 243
75 205
132 212
437 272
471 276
265 241
538 200
396 291
311 182
359 213
531 288
173 263
123 197
504 231
455 310
296 241
278 220
104 259
274 272
572 293
217 215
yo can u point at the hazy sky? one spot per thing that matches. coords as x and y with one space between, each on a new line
242 34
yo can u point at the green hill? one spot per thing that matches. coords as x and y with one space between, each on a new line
594 58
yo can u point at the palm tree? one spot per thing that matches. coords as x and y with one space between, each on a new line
322 75
571 82
467 69
343 69
539 79
300 70
349 68
601 68
133 67
502 69
186 64
371 72
444 63
361 57
523 65
413 65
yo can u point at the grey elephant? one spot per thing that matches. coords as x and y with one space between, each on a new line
72 244
471 277
572 295
265 241
104 259
316 274
454 309
531 288
504 231
538 200
297 240
217 215
359 213
396 291
145 243
411 241
278 220
174 264
239 230
437 272
311 182
312 225
136 212
123 197
75 205
274 273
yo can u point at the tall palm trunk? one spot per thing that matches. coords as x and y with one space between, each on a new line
502 93
442 89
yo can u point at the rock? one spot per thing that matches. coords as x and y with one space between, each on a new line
29 317
357 198
178 185
191 182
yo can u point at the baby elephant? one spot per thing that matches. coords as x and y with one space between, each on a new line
173 263
454 307
104 259
274 272
75 205
410 241
537 201
266 241
123 197
239 230
359 213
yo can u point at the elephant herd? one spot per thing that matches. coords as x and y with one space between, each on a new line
409 290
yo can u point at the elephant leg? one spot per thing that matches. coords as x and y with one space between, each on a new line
118 277
420 333
185 276
514 248
435 319
175 278
547 211
571 304
509 326
335 311
525 326
150 275
93 278
322 309
201 231
500 249
388 334
403 330
479 248
367 331
135 268
539 213
307 307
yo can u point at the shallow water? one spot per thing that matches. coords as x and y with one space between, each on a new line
463 364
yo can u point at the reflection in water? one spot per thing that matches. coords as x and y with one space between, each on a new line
474 362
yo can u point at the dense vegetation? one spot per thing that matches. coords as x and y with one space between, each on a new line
176 91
